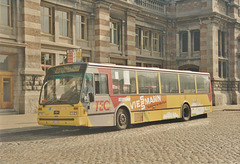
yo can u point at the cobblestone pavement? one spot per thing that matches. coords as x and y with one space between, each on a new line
215 139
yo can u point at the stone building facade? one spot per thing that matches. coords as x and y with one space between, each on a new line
198 35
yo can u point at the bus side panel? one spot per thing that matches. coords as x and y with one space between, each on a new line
153 108
102 120
173 111
203 105
101 110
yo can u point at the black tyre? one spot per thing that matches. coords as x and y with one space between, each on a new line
204 115
122 120
186 112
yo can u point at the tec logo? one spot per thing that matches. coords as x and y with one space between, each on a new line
103 105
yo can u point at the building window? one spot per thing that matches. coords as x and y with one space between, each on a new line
64 23
81 27
47 60
221 44
222 69
146 40
156 41
147 65
138 38
5 63
46 20
5 12
196 41
138 64
114 33
62 59
184 41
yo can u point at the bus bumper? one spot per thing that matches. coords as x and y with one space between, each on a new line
66 121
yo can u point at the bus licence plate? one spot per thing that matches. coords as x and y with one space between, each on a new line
55 121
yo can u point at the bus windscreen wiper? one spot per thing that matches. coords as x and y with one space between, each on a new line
55 101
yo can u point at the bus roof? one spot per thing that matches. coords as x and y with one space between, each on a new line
143 68
109 65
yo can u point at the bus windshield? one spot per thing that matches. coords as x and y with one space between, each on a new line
62 89
62 86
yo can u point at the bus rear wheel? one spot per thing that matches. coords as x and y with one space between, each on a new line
122 120
186 112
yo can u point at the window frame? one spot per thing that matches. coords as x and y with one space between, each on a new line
9 13
193 40
82 31
146 39
68 20
222 44
223 72
113 30
138 37
156 37
182 42
42 15
45 66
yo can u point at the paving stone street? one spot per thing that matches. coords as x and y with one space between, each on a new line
201 140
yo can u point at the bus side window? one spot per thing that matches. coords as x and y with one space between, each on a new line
202 84
187 83
148 82
101 83
123 82
169 82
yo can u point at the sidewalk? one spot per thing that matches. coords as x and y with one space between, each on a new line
21 122
227 108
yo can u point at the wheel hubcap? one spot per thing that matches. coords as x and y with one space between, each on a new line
186 113
122 119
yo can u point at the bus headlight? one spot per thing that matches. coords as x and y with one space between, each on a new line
40 113
73 113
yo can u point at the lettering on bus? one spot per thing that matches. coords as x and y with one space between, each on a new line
146 102
103 105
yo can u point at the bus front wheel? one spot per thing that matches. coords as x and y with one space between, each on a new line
186 112
122 119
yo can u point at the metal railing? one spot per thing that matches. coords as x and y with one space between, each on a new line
157 5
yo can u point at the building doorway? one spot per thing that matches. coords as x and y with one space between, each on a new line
6 82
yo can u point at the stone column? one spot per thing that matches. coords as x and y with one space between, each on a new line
171 46
130 38
233 69
32 73
177 44
102 33
205 62
212 55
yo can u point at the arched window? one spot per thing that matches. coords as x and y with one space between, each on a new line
190 68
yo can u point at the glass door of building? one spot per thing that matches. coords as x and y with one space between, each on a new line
6 92
6 82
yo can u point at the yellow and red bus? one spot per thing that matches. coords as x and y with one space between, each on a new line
91 95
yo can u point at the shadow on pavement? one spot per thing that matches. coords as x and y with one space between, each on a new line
48 132
30 134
